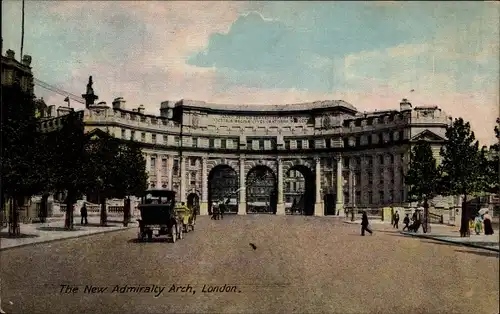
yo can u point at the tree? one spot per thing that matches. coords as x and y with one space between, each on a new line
18 124
494 163
423 176
462 166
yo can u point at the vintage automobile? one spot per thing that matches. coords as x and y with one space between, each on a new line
158 213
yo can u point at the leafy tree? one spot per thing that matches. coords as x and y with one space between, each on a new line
462 166
423 176
18 124
494 163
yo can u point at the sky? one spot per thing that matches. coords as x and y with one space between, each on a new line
370 54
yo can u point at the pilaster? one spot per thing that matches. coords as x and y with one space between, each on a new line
183 180
242 204
204 187
170 174
280 206
158 170
318 206
148 166
339 205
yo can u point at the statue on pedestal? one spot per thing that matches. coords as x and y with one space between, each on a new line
89 97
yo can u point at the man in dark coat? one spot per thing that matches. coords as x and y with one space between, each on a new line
83 214
364 224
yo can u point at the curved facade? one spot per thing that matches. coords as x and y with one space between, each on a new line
346 157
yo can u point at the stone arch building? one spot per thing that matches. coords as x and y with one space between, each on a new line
346 157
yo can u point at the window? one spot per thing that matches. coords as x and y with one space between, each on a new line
143 119
370 178
195 142
164 166
381 196
370 197
370 161
192 161
299 144
358 197
328 143
287 144
143 136
381 139
153 138
165 139
311 144
261 144
249 144
123 133
392 159
223 143
176 140
401 135
176 167
381 159
211 143
153 164
346 162
132 135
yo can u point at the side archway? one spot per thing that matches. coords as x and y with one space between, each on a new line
222 187
261 190
193 201
300 194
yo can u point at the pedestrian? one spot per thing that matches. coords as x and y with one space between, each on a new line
396 220
406 221
83 214
478 224
364 224
488 228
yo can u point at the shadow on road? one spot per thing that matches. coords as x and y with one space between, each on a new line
154 240
99 225
58 229
481 253
5 235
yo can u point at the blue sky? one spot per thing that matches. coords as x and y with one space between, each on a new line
369 54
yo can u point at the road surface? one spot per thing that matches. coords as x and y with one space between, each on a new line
300 265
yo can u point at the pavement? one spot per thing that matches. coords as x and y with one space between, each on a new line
53 230
450 234
299 265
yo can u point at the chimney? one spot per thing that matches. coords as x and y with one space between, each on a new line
10 54
404 105
119 103
27 60
140 109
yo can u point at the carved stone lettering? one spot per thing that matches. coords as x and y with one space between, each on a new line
258 119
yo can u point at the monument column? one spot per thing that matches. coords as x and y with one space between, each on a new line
339 205
170 177
183 180
280 206
204 187
318 206
242 204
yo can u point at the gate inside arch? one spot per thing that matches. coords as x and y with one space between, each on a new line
261 190
299 188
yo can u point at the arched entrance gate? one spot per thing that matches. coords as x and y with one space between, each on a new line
223 187
261 190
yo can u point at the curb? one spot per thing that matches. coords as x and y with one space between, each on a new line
66 238
450 241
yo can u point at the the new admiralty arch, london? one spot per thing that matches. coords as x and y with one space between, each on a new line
318 158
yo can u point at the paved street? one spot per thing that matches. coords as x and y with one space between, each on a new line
300 265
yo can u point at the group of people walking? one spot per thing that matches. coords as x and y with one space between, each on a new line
218 210
481 223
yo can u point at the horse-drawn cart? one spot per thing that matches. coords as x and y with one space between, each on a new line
158 213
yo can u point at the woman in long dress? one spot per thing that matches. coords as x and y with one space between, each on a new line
488 228
478 224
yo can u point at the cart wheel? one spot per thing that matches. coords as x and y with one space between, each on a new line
174 234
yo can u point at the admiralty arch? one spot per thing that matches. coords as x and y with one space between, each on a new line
315 158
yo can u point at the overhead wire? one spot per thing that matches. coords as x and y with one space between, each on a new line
57 90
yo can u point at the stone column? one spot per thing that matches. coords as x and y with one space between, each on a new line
182 189
170 173
242 204
204 187
148 166
318 207
339 205
158 170
280 205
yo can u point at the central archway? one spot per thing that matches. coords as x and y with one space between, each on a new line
261 190
302 197
223 187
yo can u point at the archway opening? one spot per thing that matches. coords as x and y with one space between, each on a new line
223 187
193 201
261 190
300 191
